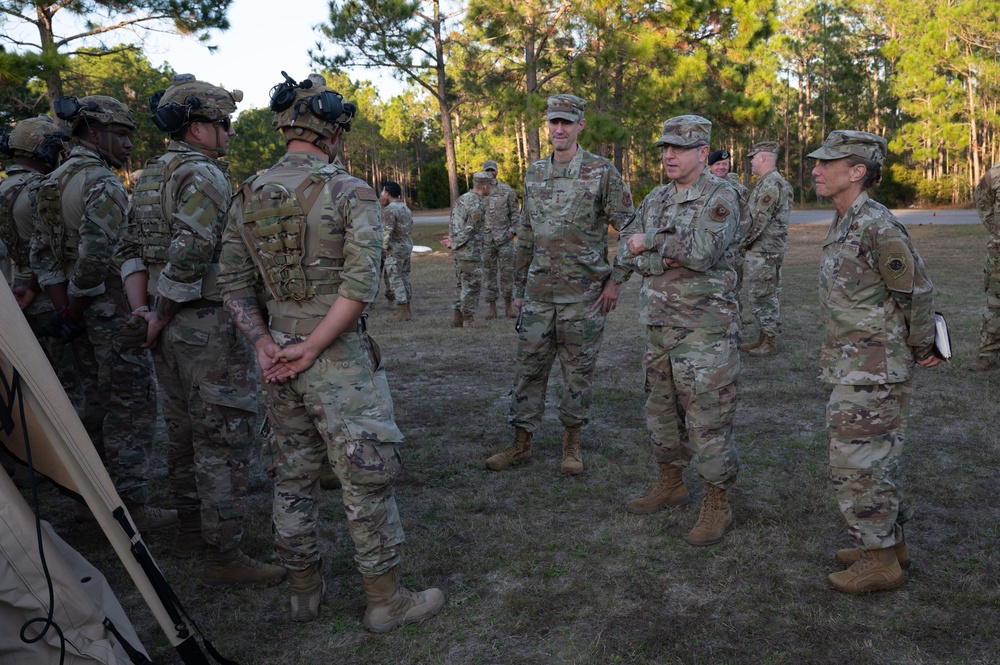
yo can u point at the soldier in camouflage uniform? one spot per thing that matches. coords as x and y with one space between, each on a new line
502 217
719 163
465 239
80 213
397 241
770 205
564 284
169 257
988 206
305 238
679 241
878 308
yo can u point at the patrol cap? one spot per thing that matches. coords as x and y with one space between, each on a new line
718 156
489 164
686 131
764 146
846 142
483 178
566 107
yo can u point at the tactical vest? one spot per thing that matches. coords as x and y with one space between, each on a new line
8 225
275 214
49 201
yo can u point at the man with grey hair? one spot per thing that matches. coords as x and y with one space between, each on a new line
502 216
679 241
770 205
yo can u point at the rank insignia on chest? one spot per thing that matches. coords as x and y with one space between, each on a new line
896 265
720 212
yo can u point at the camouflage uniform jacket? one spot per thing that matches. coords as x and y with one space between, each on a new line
696 228
503 215
17 196
877 300
987 198
397 228
562 245
94 204
178 238
466 227
770 204
341 249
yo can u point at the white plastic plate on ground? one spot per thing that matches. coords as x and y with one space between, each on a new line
421 249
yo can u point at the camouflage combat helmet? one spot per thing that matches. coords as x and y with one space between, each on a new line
35 138
189 99
99 108
310 109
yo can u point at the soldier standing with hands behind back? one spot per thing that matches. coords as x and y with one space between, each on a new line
502 217
465 239
397 240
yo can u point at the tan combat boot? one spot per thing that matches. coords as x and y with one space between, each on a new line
402 312
508 309
519 451
876 570
668 491
492 313
768 346
469 322
234 568
749 345
456 318
308 589
148 518
572 461
189 542
850 555
391 605
983 363
714 520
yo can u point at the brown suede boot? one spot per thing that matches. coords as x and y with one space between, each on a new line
519 451
148 518
749 345
508 309
768 346
492 312
189 542
668 491
469 322
234 568
983 363
850 555
391 605
876 570
308 589
715 518
456 318
572 461
402 312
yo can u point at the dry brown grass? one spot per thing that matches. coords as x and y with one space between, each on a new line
541 568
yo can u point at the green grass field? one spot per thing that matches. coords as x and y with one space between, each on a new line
541 568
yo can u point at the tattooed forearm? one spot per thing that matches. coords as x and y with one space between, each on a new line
248 318
166 308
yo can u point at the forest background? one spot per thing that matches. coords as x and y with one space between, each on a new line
922 73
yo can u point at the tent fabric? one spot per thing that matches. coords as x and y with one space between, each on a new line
82 596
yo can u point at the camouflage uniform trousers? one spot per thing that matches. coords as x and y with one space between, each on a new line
763 289
60 356
989 332
498 268
208 391
571 331
341 408
120 409
468 282
690 385
397 275
865 429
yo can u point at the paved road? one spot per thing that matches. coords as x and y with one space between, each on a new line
906 215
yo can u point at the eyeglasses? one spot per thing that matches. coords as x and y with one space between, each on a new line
225 123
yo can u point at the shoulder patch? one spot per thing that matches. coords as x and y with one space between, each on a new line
627 197
767 199
366 194
896 265
720 212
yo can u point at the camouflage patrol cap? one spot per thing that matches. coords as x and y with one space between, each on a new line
846 142
566 107
489 164
36 138
483 178
764 146
198 98
686 131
